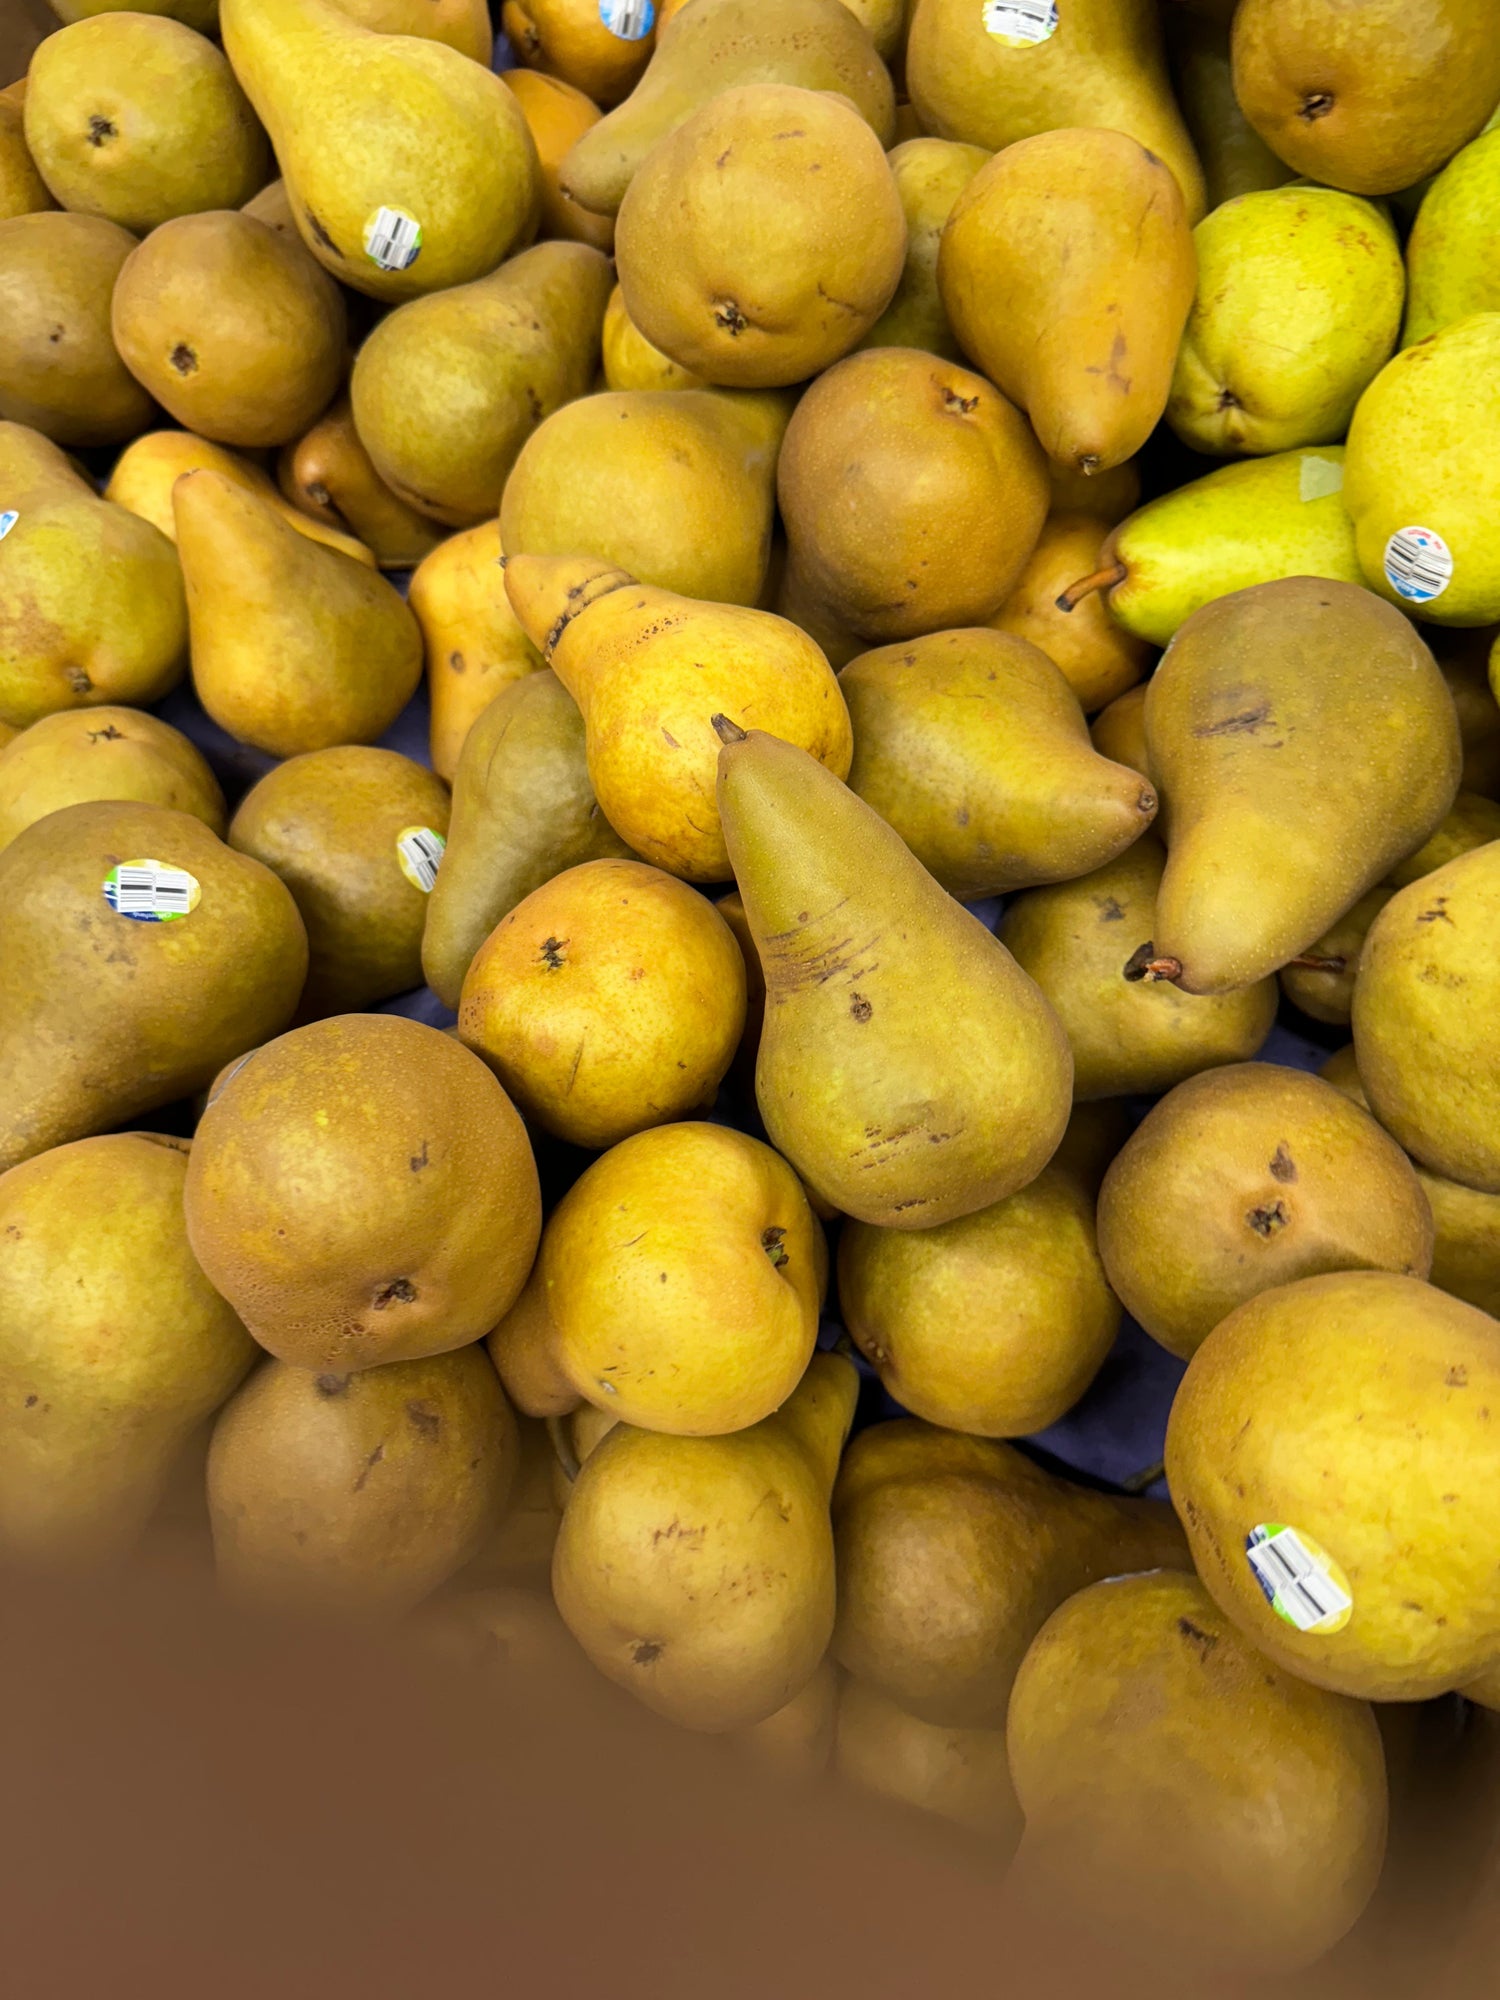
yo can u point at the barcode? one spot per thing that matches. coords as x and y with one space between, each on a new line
421 850
392 240
150 891
1021 20
1418 563
1294 1583
7 521
628 19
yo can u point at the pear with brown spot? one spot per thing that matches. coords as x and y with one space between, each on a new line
84 754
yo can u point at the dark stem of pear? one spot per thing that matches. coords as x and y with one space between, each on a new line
1102 579
1144 964
727 731
1310 964
562 1444
1147 1476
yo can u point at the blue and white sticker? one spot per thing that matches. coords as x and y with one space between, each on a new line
629 20
419 851
1020 24
1418 564
151 892
7 521
393 239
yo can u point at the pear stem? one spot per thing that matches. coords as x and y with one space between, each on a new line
1144 964
1147 1476
1310 964
562 1444
1102 579
727 731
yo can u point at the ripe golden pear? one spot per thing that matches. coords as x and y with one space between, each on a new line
328 477
681 1583
930 175
1321 980
649 670
475 649
1473 822
599 50
558 116
1119 733
523 1348
631 362
1098 660
22 189
463 24
82 754
60 370
147 470
959 1775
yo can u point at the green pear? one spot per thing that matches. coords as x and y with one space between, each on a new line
295 646
137 118
957 1774
1299 302
447 389
814 44
1420 480
1256 522
82 754
1235 158
1092 63
1307 742
22 189
1473 822
1450 271
930 175
138 955
91 597
60 371
1424 1001
1129 1038
862 950
523 811
410 167
973 747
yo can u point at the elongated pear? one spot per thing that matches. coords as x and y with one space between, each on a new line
1450 269
447 389
147 470
1307 742
295 646
474 646
862 950
409 167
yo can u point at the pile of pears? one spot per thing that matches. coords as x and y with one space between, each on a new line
741 741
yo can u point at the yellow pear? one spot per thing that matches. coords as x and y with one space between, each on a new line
597 46
81 754
558 115
1234 157
957 1774
463 24
147 470
930 175
1098 660
1473 822
631 362
22 189
1119 732
474 646
60 370
328 477
1320 980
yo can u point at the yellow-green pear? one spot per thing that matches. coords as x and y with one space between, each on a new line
295 646
930 175
681 1582
22 189
328 477
957 1774
1234 157
1349 1528
137 118
1075 315
1298 307
1473 822
138 955
1307 742
1450 272
147 470
1320 980
81 754
629 359
474 645
91 597
448 388
862 950
463 24
60 370
410 167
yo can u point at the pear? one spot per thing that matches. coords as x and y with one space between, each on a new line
83 754
1300 291
1097 658
558 116
1464 660
147 470
1372 1479
973 747
419 1213
235 330
1321 980
410 168
631 362
447 389
295 647
1234 157
475 649
137 118
91 599
523 810
22 189
1473 822
633 477
115 1346
930 175
273 206
649 671
912 492
957 1774
1257 522
1075 316
1129 1038
1119 733
1369 99
1093 63
598 46
520 1550
610 1000
1450 274
701 1318
106 1013
795 596
60 371
757 307
1246 1178
1307 742
795 1742
952 1553
1141 1722
859 946
357 836
463 24
1096 1132
994 1324
357 1495
656 1522
813 44
328 477
1428 981
1107 496
1418 478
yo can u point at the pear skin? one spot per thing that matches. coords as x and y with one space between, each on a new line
22 189
147 470
115 1348
1234 157
1473 822
463 24
83 754
573 40
295 646
795 1743
1464 660
1119 733
273 206
558 116
1278 715
1075 315
630 360
475 648
104 1016
649 671
973 747
1450 271
1107 496
60 371
523 1347
930 175
91 597
957 1774
859 945
328 477
651 1516
1320 980
1097 658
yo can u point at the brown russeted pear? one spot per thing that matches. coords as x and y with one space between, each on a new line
60 371
82 754
327 476
474 644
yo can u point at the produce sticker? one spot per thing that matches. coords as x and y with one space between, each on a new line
1302 1582
151 892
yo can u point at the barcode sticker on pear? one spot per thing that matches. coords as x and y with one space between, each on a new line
1020 24
7 521
420 852
1318 477
630 20
151 892
1302 1582
393 239
1418 564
